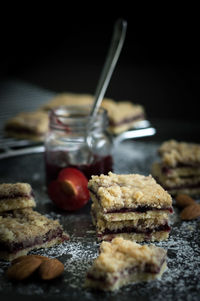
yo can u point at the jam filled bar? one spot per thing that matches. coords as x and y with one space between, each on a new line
122 115
122 262
132 206
68 99
23 230
16 196
178 171
28 125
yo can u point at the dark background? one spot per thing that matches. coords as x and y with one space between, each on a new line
64 50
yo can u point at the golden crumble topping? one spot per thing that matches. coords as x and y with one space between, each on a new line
16 196
64 99
117 111
34 122
9 190
174 152
121 254
71 99
128 191
21 224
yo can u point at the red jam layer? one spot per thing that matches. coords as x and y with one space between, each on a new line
165 227
100 165
127 120
25 131
167 169
188 186
17 195
147 268
38 240
139 209
14 196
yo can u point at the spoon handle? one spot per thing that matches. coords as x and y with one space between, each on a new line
117 42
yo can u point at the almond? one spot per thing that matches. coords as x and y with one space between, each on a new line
190 212
183 200
50 269
23 269
24 257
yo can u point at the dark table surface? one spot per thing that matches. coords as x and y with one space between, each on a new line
179 282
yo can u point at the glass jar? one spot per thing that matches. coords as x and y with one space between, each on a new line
73 140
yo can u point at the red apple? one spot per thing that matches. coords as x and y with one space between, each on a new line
69 191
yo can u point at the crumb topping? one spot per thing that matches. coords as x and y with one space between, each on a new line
9 190
64 99
122 110
21 224
70 99
117 111
128 191
35 122
173 152
121 254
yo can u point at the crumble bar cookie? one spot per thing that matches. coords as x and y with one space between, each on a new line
174 153
28 125
68 99
179 168
73 99
129 193
122 115
141 229
133 206
16 196
24 230
122 262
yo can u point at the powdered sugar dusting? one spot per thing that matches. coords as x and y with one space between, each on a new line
179 282
78 254
81 258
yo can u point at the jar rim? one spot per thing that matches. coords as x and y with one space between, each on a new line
72 110
76 115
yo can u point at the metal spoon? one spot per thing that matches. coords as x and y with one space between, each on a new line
117 42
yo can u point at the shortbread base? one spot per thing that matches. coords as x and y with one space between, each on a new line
118 129
163 214
16 203
11 256
137 237
24 136
195 192
125 280
152 235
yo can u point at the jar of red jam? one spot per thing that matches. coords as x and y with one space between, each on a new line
76 140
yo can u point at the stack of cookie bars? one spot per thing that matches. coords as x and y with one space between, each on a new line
23 229
131 206
178 171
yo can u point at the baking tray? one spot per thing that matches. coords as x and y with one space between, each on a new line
179 282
